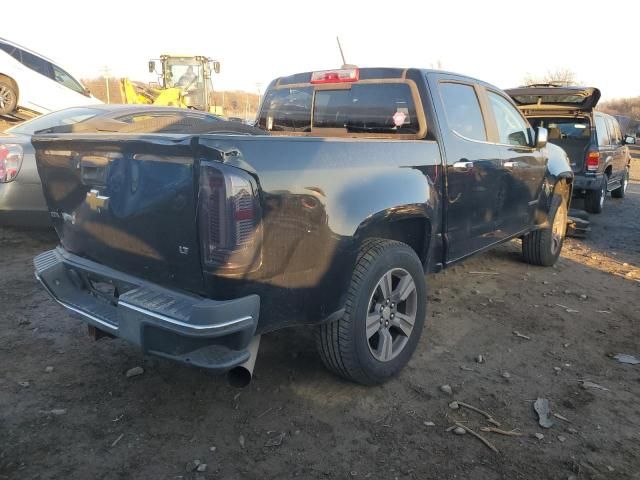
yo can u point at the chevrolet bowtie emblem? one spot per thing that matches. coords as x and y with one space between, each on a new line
96 201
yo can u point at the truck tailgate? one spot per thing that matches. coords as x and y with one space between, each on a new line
127 202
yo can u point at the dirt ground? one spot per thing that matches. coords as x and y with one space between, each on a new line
68 411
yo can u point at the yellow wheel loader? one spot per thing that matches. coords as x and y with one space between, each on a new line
184 81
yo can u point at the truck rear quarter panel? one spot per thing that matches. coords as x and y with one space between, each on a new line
321 197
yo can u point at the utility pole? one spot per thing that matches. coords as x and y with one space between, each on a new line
106 75
259 87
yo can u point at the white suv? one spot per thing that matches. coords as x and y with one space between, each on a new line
32 82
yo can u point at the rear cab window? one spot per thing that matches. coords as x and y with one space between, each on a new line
372 108
287 110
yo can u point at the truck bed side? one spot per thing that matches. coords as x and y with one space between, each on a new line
318 198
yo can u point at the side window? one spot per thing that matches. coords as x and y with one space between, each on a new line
13 51
614 133
36 64
512 128
463 110
601 131
67 80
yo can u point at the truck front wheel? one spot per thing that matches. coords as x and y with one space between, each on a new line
542 247
384 315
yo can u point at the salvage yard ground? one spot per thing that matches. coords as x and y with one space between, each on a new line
67 409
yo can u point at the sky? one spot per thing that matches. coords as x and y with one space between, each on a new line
496 41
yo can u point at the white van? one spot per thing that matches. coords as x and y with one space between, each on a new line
32 82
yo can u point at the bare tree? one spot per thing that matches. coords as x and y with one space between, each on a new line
629 107
561 76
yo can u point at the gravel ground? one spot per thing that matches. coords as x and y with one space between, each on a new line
68 410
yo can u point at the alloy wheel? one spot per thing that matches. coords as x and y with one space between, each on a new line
391 316
6 97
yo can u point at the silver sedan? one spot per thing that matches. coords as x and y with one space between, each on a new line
21 199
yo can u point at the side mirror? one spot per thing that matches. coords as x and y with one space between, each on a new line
87 92
629 140
216 66
152 66
542 135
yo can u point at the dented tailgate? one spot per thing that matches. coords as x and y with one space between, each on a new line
127 202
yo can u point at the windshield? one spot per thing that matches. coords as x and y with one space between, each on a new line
186 74
68 116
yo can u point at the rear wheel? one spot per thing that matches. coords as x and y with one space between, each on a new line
384 315
8 98
594 199
542 247
624 183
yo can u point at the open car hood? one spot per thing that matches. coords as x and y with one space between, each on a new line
554 98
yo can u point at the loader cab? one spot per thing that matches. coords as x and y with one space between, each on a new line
192 75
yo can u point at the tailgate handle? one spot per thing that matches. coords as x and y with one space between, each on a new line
93 169
463 166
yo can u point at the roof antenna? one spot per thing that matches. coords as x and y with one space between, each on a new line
344 62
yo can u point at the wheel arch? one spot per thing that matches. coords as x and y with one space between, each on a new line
411 226
564 186
608 170
559 175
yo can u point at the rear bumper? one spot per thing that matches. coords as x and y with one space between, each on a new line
587 182
188 329
23 204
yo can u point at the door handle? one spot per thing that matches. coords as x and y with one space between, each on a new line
463 166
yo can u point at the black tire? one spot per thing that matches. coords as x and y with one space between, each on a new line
8 98
594 199
345 345
622 189
542 247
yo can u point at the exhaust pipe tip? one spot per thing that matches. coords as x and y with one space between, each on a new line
241 375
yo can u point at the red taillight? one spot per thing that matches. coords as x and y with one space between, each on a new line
344 75
10 162
593 161
229 215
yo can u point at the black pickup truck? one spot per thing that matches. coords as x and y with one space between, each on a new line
192 246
